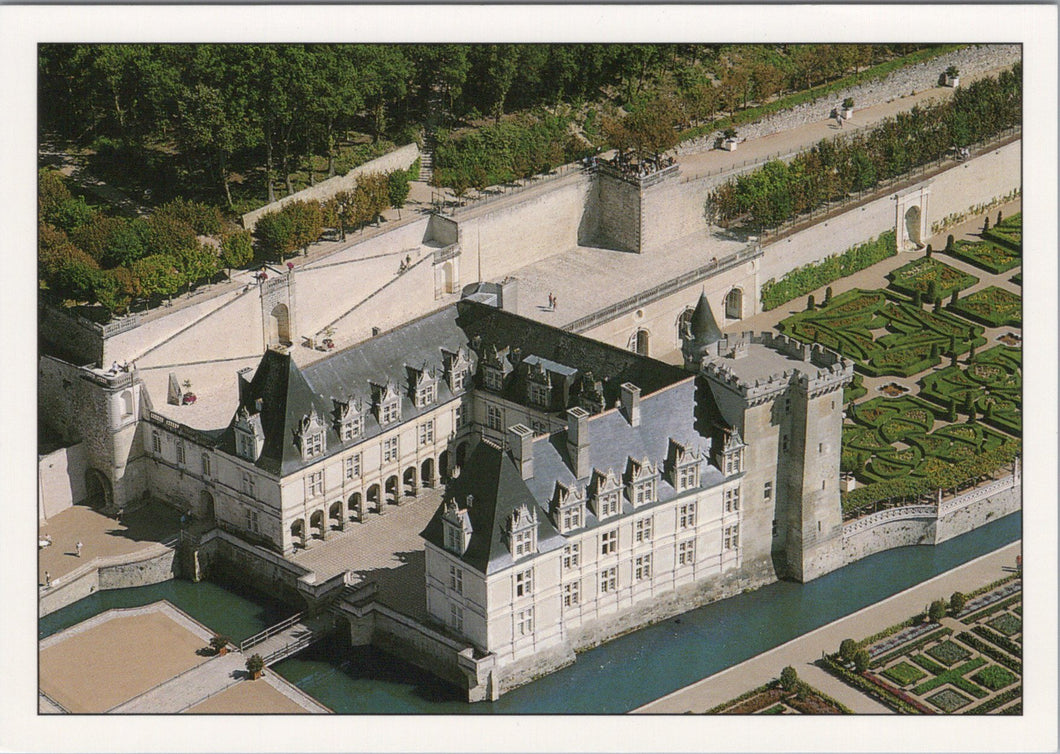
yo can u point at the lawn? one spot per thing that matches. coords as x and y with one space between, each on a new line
904 674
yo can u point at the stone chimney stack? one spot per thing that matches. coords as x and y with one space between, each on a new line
578 441
631 403
521 444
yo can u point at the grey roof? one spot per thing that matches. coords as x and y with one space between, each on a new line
551 366
705 329
496 488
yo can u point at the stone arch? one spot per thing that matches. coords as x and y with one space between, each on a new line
316 521
375 499
443 465
127 403
684 324
911 218
280 326
734 304
392 489
355 506
640 342
298 532
99 493
335 513
207 509
427 473
410 481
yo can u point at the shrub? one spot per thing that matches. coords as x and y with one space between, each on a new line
847 648
994 678
957 602
862 660
255 664
219 642
848 103
237 249
789 678
937 610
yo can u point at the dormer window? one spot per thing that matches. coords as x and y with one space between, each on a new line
424 386
682 466
521 531
732 452
494 367
426 395
248 434
641 482
457 367
456 527
388 404
567 508
592 395
310 435
493 379
349 419
605 493
538 386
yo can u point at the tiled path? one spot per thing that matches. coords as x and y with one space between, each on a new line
386 549
800 653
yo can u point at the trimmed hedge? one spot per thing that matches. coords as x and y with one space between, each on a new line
918 275
990 651
956 678
1003 642
908 649
991 306
998 701
802 280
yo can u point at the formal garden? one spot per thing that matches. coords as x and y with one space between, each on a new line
964 656
930 278
990 386
991 306
786 695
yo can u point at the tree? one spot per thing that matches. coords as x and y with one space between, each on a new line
158 276
828 295
917 299
862 660
999 218
810 303
927 253
986 223
255 665
953 300
789 678
957 602
847 649
398 189
935 347
937 610
237 249
949 242
307 222
273 235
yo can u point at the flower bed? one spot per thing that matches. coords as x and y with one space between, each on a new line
955 677
993 382
1006 624
949 700
998 640
948 653
919 274
904 674
990 651
992 257
993 307
998 701
994 678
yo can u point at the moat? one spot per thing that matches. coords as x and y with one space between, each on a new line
625 673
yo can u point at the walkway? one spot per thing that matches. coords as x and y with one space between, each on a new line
800 653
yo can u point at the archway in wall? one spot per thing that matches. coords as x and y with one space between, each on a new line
392 490
335 514
443 465
449 284
912 225
408 480
206 505
734 304
427 473
98 489
280 326
127 403
298 532
354 506
640 342
316 521
684 325
375 502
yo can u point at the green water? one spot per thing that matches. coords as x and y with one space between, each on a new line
623 674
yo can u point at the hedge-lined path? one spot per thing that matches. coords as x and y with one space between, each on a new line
802 652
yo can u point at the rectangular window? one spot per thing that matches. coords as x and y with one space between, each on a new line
524 622
390 412
427 432
351 429
390 449
539 427
729 465
524 583
456 579
314 484
572 518
572 555
686 516
608 580
767 491
784 443
250 519
461 416
352 468
609 542
642 567
686 552
732 537
609 504
425 395
182 456
248 483
522 543
538 394
494 379
732 500
156 442
206 464
494 418
456 618
642 530
688 477
644 492
572 594
820 447
458 380
774 527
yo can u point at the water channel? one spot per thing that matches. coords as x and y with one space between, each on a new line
616 677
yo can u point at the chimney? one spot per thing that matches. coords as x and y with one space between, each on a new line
578 441
521 444
631 403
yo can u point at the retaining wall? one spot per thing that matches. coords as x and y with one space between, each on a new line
129 571
400 159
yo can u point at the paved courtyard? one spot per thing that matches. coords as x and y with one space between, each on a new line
260 697
386 549
101 536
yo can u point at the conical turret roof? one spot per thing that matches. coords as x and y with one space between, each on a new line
705 329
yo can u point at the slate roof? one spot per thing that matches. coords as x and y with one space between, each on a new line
704 328
497 489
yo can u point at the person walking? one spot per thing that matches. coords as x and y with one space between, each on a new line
78 546
47 580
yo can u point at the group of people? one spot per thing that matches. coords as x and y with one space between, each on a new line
406 263
643 167
45 541
551 302
115 367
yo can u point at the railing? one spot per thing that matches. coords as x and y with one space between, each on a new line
261 636
117 380
482 200
638 179
979 493
180 429
890 514
663 289
292 647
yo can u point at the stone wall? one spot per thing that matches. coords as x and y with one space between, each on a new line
977 514
916 78
400 159
60 480
101 574
77 339
618 214
522 672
